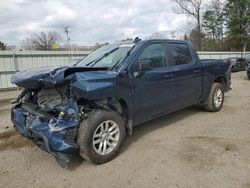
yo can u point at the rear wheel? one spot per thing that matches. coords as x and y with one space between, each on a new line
100 136
216 98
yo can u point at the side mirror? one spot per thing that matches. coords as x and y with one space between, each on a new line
143 65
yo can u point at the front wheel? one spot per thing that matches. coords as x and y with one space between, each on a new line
216 98
100 136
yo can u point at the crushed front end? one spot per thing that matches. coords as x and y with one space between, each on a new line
50 118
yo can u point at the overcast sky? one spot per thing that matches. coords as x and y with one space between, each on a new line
89 21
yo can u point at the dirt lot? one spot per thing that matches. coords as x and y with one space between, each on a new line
189 148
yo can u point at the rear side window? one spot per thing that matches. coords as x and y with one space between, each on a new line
180 53
155 53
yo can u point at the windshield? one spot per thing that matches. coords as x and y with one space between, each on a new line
109 56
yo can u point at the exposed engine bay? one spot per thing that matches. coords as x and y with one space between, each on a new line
52 100
55 102
60 102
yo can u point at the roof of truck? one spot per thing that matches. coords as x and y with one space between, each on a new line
139 41
160 40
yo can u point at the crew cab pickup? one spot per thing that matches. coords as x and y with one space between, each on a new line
89 107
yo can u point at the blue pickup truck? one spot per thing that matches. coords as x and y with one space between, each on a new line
90 107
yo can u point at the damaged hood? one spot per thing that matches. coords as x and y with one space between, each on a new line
50 76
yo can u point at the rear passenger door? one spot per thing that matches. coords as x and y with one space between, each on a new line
188 74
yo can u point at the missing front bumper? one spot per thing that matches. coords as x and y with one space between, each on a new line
59 143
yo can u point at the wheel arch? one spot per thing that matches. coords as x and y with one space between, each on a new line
116 104
218 79
121 106
221 79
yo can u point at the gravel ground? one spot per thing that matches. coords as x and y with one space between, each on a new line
189 148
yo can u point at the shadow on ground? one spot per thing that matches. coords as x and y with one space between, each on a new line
158 123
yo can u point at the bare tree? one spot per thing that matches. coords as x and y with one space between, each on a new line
156 35
42 41
27 44
191 8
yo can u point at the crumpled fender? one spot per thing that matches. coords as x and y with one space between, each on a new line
48 76
86 82
40 77
85 86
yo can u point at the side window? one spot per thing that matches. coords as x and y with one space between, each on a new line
180 53
155 53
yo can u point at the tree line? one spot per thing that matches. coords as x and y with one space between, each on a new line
219 26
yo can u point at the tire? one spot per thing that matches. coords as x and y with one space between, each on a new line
94 126
214 104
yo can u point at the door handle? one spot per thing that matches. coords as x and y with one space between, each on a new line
168 75
197 71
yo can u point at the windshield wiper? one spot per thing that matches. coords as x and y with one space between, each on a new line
96 61
118 62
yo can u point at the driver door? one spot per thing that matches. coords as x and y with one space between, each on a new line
153 90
